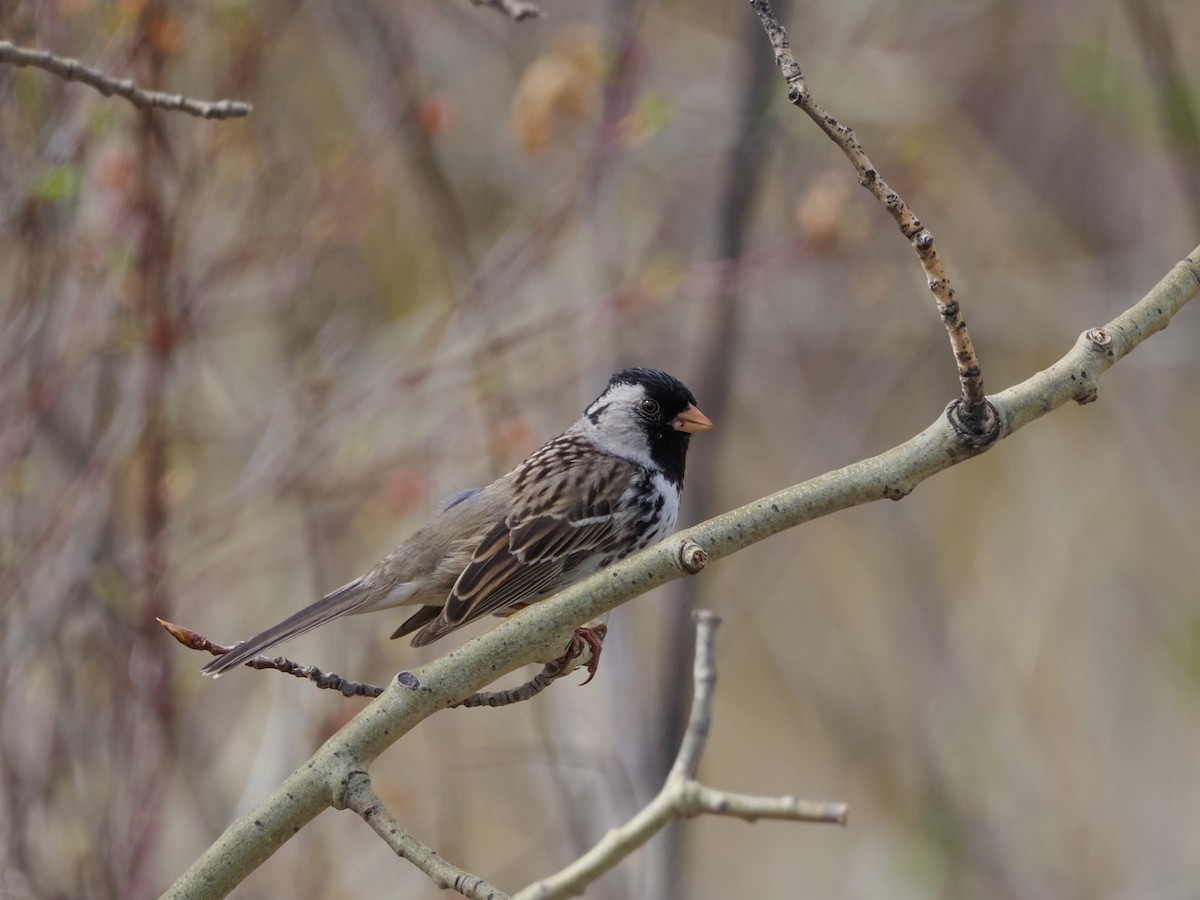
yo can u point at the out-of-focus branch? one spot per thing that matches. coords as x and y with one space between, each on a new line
73 70
974 416
385 45
539 632
153 295
681 795
1177 107
517 10
358 795
745 171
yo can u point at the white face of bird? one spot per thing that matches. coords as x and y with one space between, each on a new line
619 422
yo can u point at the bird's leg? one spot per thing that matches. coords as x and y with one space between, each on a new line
591 637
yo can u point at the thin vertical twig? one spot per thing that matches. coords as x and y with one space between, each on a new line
973 417
387 47
152 301
1176 97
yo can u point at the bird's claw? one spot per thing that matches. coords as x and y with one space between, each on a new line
591 637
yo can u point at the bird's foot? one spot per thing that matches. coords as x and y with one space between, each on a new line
591 637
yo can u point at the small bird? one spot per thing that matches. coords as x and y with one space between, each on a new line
606 487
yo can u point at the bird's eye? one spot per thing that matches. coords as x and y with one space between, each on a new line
649 407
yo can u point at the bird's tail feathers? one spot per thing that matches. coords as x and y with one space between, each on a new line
345 600
420 618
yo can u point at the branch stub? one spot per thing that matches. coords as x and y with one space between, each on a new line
692 557
1100 338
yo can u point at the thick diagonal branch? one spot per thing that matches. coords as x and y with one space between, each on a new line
539 632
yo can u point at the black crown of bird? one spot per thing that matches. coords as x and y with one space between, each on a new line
606 487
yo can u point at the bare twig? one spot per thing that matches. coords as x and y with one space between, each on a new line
193 640
330 681
704 681
517 10
73 70
681 796
359 796
534 686
975 418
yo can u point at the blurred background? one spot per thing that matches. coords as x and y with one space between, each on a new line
239 361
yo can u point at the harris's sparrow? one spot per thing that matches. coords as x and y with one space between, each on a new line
605 488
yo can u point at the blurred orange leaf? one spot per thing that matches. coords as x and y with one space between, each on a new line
562 83
513 438
165 32
405 489
127 10
826 215
114 168
436 113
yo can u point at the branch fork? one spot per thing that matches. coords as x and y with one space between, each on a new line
682 796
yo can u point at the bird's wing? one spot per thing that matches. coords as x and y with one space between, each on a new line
526 554
466 495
